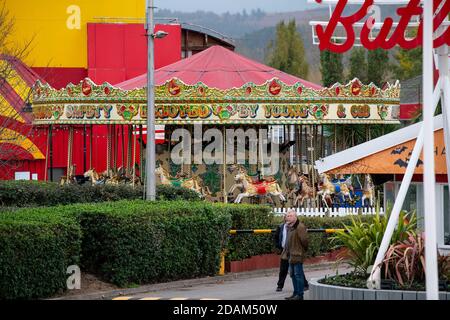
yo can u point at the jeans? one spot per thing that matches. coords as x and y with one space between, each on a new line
284 267
298 276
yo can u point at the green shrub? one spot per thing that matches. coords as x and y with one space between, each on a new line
34 194
245 216
35 251
141 242
133 242
363 239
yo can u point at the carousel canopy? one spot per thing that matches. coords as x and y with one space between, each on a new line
218 87
217 67
16 81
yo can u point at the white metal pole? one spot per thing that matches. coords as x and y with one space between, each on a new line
151 157
431 274
443 66
374 279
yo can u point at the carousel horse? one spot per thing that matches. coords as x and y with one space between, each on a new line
251 189
347 182
294 183
306 191
255 179
368 191
69 178
94 176
328 190
193 183
300 187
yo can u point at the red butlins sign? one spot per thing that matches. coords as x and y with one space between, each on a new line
387 37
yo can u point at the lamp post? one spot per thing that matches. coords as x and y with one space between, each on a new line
150 189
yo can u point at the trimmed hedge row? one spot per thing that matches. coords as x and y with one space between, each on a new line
35 251
245 216
132 243
246 245
125 242
35 194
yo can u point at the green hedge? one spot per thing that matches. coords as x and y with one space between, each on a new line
245 216
137 242
124 242
34 194
35 251
253 217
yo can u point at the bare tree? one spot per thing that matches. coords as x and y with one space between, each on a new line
15 121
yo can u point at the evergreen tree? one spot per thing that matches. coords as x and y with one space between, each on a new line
287 53
409 64
331 67
358 65
378 65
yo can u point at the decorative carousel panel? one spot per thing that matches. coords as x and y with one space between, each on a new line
178 103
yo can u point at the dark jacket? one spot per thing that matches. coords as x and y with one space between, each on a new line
278 237
296 243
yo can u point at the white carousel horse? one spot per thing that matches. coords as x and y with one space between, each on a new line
368 190
193 183
94 177
252 189
328 190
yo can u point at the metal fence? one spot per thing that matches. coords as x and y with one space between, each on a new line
332 212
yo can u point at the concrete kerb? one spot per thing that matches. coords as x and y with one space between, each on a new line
106 295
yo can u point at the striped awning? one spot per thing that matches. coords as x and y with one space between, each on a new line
16 82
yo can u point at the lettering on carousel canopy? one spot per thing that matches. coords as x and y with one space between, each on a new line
387 37
88 111
286 111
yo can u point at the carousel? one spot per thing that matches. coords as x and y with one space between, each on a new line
219 89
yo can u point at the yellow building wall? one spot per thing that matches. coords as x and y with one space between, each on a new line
59 27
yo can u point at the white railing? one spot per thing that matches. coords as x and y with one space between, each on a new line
334 212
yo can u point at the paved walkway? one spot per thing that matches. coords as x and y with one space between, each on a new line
257 285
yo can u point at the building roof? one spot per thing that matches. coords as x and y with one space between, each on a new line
356 159
210 32
217 67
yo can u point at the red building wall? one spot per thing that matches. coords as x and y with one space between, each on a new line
118 52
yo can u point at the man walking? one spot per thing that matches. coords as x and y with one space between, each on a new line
295 252
280 243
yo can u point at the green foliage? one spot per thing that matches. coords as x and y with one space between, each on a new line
33 193
124 242
319 243
287 53
140 242
363 239
249 217
35 251
357 133
331 67
378 66
358 65
408 63
243 246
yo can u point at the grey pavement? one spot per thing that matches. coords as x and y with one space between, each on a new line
257 287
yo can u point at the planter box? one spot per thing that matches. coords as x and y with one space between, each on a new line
327 292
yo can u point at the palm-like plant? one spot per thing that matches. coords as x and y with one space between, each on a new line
363 239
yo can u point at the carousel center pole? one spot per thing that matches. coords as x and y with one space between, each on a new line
224 166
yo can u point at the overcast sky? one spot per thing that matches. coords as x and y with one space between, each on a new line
221 6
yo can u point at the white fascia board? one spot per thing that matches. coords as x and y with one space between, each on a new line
373 146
